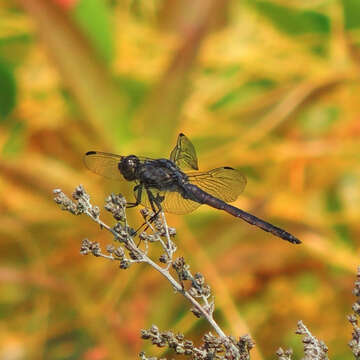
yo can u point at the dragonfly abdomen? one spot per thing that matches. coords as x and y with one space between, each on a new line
253 220
196 194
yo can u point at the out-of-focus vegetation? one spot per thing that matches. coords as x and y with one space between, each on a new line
269 86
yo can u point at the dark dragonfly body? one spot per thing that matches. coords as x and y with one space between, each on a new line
167 187
205 198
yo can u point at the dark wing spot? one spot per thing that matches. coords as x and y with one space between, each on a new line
228 167
90 153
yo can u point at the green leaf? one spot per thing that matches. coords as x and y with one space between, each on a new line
307 283
318 120
134 90
333 201
14 48
7 90
242 93
224 72
293 21
344 235
15 141
88 81
351 13
93 16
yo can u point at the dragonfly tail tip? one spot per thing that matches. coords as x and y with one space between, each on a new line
295 240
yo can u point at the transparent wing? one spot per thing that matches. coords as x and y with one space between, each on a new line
184 155
173 202
104 164
225 183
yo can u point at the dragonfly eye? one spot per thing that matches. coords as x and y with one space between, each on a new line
128 167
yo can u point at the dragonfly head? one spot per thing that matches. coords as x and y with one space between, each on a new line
128 167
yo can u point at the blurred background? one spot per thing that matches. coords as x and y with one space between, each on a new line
269 87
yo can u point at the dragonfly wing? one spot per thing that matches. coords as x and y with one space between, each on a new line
173 202
104 164
224 183
184 154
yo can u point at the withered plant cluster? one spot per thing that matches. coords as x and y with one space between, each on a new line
132 246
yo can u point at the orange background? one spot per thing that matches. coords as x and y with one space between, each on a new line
269 87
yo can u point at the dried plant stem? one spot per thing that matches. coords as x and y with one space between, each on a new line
163 271
192 286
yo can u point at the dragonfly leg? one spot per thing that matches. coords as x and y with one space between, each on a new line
138 190
152 200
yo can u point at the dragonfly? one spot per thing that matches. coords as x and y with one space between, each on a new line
176 185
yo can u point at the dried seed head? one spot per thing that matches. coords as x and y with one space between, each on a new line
115 204
143 235
119 252
199 279
164 258
145 334
172 231
88 247
356 307
124 264
144 212
196 312
65 203
80 193
135 255
110 248
85 247
154 330
95 212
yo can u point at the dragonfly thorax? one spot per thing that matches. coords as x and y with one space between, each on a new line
161 174
128 166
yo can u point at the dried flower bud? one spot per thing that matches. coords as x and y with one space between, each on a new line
88 246
164 258
179 349
158 224
145 334
124 264
79 193
131 231
196 312
193 292
143 236
110 248
95 249
85 247
199 279
95 212
119 252
65 203
356 307
182 269
115 204
206 290
245 343
154 330
135 255
144 212
118 227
